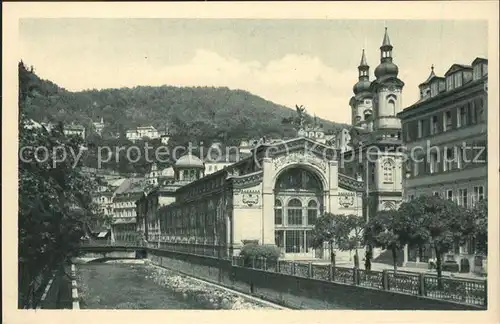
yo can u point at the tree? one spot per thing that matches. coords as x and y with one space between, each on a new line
435 221
55 203
383 231
352 231
478 228
330 228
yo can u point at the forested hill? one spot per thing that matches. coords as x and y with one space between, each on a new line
193 113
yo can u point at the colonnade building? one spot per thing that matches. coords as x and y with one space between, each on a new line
275 195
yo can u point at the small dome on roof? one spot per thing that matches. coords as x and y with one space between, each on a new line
168 172
189 161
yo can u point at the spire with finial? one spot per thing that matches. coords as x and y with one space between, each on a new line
363 59
363 68
386 66
386 42
431 75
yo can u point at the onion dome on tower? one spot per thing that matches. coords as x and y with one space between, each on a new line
386 68
363 85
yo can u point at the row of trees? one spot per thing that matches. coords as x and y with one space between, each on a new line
55 201
426 220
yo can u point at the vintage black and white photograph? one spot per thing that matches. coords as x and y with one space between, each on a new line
253 164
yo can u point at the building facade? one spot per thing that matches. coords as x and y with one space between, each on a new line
445 134
371 150
72 130
143 132
272 197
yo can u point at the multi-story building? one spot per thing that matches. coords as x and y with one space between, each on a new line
73 129
99 126
123 226
445 134
315 132
142 132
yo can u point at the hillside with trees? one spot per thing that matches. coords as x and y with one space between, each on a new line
191 113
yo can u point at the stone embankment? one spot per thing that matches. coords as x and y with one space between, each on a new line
201 292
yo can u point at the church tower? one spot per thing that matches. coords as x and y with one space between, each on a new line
387 92
384 186
361 102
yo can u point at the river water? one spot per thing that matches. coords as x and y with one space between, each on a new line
144 286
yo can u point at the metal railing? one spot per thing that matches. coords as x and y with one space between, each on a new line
466 291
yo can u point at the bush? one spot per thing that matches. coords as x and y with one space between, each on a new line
250 251
450 266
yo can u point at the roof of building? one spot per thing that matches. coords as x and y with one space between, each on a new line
74 126
130 185
117 182
479 60
457 67
189 161
168 172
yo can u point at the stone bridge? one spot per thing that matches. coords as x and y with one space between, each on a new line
102 253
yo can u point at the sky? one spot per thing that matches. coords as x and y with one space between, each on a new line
304 62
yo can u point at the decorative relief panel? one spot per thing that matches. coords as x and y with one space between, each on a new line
346 200
389 204
251 198
301 157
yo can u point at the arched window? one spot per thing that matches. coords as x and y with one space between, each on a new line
278 212
392 107
388 172
294 212
312 212
298 179
389 205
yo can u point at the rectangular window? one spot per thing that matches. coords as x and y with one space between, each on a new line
434 125
462 197
477 72
449 83
294 216
416 168
447 121
279 239
278 216
479 110
449 159
294 241
434 162
434 89
458 79
436 193
372 172
478 194
449 194
459 157
420 128
484 69
312 215
462 116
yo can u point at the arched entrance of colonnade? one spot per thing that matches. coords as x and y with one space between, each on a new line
299 200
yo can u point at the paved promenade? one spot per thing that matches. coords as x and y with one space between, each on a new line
383 266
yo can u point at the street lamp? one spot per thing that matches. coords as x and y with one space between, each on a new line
332 242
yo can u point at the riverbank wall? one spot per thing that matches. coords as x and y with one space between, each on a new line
57 294
292 291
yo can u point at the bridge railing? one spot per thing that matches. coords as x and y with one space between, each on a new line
466 291
216 251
